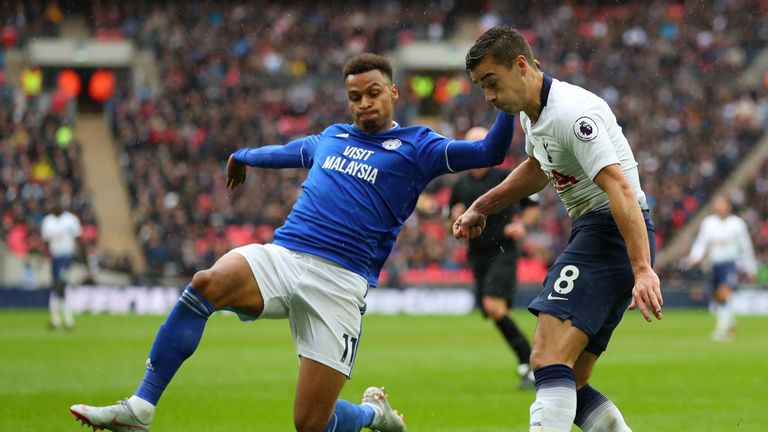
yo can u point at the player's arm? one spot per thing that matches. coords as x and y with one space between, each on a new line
295 154
646 293
525 180
748 262
489 151
699 247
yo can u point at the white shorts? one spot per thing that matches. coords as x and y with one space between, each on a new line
324 302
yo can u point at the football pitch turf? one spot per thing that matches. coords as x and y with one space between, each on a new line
446 373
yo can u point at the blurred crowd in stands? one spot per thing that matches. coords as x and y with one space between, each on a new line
259 73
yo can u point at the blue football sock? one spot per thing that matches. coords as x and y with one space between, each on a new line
176 340
348 417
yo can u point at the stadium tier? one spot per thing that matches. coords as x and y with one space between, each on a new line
245 74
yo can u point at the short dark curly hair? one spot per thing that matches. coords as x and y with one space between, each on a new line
365 62
503 43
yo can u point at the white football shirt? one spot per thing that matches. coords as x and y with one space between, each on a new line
575 137
60 232
723 240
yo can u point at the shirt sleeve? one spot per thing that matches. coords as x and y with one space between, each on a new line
590 144
699 247
529 148
77 228
748 261
442 155
45 229
295 154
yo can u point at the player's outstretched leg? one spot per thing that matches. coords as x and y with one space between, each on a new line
176 340
596 413
385 418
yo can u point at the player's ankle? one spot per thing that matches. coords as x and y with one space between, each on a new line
143 410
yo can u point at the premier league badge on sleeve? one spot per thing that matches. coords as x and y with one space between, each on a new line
585 129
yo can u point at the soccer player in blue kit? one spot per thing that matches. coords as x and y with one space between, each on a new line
574 141
364 181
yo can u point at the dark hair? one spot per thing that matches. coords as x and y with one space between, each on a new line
503 43
365 62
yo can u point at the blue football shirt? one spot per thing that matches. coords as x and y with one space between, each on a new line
362 187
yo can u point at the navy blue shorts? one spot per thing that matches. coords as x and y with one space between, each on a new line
60 268
591 282
724 273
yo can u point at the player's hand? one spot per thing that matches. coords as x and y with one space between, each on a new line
457 210
646 294
235 173
514 230
469 225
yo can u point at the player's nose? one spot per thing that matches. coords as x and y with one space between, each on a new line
490 96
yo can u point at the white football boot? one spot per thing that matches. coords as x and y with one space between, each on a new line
116 418
385 419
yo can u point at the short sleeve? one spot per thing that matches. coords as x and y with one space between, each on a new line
590 144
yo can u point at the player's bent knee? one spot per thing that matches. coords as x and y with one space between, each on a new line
207 283
495 308
201 281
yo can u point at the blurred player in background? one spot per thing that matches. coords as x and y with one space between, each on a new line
61 231
572 140
364 181
724 241
493 255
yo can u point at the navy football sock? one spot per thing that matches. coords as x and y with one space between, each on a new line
515 339
176 340
348 417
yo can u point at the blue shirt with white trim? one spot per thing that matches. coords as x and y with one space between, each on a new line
362 187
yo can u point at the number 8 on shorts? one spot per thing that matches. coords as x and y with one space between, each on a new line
568 274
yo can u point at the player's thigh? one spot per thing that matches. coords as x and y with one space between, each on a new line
317 390
249 280
325 314
556 341
230 283
582 370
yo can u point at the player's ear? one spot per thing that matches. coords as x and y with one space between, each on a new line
394 92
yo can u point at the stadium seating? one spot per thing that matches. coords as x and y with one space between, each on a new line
240 78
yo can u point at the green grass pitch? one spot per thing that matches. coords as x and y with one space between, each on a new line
445 373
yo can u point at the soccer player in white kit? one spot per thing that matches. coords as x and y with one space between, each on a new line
61 231
574 141
724 241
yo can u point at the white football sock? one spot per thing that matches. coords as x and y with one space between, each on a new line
605 417
144 410
69 316
54 306
554 408
724 316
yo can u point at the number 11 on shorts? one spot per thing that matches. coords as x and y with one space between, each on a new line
349 351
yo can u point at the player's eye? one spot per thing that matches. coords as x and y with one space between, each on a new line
353 97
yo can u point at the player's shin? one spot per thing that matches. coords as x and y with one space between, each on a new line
555 406
176 340
596 413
